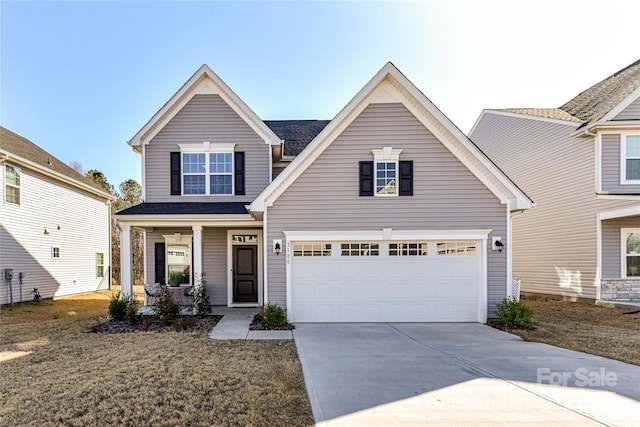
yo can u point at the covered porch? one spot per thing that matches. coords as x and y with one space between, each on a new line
219 246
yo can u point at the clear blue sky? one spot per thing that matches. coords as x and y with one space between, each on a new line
81 78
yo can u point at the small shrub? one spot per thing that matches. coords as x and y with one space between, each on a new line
273 315
201 304
166 308
124 308
515 314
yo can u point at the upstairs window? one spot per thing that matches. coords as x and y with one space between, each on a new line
221 173
631 158
386 175
386 178
11 184
207 169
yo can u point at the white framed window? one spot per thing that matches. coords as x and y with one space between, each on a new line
178 258
408 249
11 184
314 249
630 158
207 169
360 249
456 248
630 239
55 252
99 264
386 171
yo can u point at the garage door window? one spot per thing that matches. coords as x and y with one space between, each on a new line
455 248
408 249
360 249
311 249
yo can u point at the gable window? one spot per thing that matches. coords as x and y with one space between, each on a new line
631 158
386 175
12 184
55 252
211 169
631 252
99 264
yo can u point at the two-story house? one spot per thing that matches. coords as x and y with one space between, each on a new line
388 212
55 232
581 164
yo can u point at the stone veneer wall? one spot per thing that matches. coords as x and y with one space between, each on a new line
620 289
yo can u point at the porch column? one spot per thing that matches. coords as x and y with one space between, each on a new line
197 253
126 283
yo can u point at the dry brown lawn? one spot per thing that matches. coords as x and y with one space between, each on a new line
589 328
52 372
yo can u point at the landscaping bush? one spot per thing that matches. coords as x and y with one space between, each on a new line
273 315
124 308
167 310
515 314
201 304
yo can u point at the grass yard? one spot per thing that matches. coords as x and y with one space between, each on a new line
584 327
54 373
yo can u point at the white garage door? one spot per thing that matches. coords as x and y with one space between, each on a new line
428 281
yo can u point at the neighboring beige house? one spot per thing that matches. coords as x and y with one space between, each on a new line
581 164
386 213
54 225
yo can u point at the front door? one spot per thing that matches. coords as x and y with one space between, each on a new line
245 274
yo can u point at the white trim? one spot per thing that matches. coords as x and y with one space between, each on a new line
484 277
619 213
598 277
143 179
598 176
208 147
265 257
178 239
509 252
391 81
188 220
622 105
623 251
287 279
623 158
606 127
203 81
260 260
386 235
605 196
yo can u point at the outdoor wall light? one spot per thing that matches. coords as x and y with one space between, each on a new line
277 246
46 230
497 244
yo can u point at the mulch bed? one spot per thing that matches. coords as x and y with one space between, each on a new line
196 324
258 324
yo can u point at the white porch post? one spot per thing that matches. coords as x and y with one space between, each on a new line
197 253
126 283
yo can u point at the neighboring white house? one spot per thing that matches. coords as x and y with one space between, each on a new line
54 225
386 213
581 164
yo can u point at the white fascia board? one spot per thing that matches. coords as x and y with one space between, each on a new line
380 89
387 235
8 157
619 213
605 196
622 105
607 127
204 81
188 220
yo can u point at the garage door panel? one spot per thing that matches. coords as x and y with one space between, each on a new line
385 288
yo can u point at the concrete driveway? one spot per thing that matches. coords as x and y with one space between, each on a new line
458 374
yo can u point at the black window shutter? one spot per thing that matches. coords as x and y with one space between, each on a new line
366 178
406 178
160 263
238 166
175 174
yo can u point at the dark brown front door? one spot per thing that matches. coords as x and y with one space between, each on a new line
245 273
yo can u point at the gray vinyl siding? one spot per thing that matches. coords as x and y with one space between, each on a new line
611 245
632 112
554 244
610 172
214 259
83 222
205 118
446 194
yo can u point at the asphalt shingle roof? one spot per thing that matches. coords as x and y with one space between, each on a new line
187 208
592 104
22 147
297 134
548 113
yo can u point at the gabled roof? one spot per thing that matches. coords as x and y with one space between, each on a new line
204 81
389 85
296 134
594 103
17 149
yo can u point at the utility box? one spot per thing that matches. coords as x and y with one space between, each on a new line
8 274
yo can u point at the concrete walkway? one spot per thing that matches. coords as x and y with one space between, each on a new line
458 374
235 326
